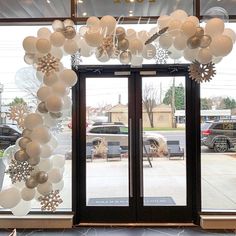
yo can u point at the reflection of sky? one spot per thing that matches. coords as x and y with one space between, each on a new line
11 60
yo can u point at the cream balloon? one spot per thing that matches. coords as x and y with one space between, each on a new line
43 46
68 22
189 28
29 44
59 88
70 46
33 149
57 39
49 80
131 34
136 46
179 15
44 188
193 19
165 41
57 25
69 77
214 27
58 186
136 61
44 33
54 103
44 92
93 37
41 134
58 161
230 33
9 197
174 27
45 165
108 24
221 45
190 54
149 51
56 52
93 22
33 120
55 175
22 208
180 42
163 21
46 151
27 194
204 56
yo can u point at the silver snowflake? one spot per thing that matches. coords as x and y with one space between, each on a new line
19 171
51 201
161 55
48 63
76 60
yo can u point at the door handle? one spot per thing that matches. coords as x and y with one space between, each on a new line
141 155
130 159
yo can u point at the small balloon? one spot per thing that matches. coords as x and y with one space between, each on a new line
23 142
27 194
125 57
44 188
123 44
205 41
31 183
42 107
21 156
194 42
69 32
41 177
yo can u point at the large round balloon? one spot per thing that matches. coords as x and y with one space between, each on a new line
136 46
214 27
29 44
41 134
33 149
108 24
54 103
69 77
204 56
165 41
93 37
32 121
57 39
9 197
27 194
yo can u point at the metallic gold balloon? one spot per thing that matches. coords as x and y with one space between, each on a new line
205 41
41 177
31 183
120 33
23 142
26 133
193 42
123 44
125 57
33 161
200 32
21 155
69 32
42 107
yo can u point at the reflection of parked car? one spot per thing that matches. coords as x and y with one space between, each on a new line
119 133
8 135
219 135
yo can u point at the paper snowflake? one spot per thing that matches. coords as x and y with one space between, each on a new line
19 171
51 201
17 113
161 55
201 72
76 59
48 63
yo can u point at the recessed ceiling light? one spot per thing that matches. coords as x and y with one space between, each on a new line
80 1
84 13
130 11
131 0
130 14
48 1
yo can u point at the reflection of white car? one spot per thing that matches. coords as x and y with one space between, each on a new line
119 133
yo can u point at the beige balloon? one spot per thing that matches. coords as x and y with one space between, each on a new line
205 41
29 44
57 39
204 56
194 42
165 41
136 46
123 44
43 46
189 28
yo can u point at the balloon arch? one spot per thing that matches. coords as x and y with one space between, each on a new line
37 173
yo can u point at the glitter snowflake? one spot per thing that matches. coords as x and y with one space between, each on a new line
48 64
19 171
17 113
161 55
51 201
76 60
201 72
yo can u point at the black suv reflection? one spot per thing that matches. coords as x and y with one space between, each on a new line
219 135
8 135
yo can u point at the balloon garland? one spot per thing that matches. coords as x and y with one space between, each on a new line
34 171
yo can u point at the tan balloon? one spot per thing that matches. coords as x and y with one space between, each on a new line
120 33
41 177
194 42
70 46
189 28
165 41
33 120
43 93
93 37
136 46
57 39
180 42
44 188
174 27
29 44
108 24
43 46
214 27
33 149
41 134
50 79
42 107
69 32
123 44
199 32
21 156
204 56
93 22
23 142
54 103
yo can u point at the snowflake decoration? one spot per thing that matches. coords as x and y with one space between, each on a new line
76 60
201 72
17 113
51 201
48 63
19 171
162 55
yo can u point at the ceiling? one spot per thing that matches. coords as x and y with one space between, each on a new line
85 8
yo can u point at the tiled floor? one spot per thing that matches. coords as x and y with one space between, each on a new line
123 231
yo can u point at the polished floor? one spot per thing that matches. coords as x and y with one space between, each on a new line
122 231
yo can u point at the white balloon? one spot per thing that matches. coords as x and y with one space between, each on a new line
165 41
41 134
221 45
58 160
58 186
45 165
53 142
46 151
216 60
179 15
27 194
180 42
49 80
163 21
44 33
44 188
93 37
85 49
70 46
9 197
57 25
54 103
136 61
20 185
93 21
108 24
57 39
29 44
22 208
33 120
69 77
49 121
149 51
59 88
67 103
33 149
55 175
43 46
190 54
44 91
230 33
57 52
214 27
174 27
204 56
136 46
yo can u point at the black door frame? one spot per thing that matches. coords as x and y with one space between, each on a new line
126 214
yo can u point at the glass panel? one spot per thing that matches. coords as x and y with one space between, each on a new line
218 137
132 7
107 142
19 84
164 162
220 8
34 8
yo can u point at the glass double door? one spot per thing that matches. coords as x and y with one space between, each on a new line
132 155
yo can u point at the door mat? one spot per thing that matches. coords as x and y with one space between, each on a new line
122 201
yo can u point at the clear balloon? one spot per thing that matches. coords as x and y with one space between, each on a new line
44 188
9 197
125 57
45 165
22 208
55 175
58 161
46 151
27 194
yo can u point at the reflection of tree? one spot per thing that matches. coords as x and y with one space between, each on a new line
17 101
227 103
206 104
150 95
